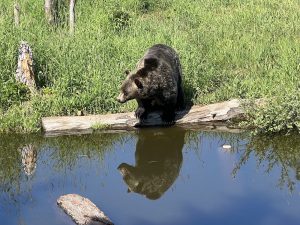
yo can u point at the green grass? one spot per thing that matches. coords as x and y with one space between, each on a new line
228 49
100 126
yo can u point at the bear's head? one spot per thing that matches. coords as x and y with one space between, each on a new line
136 83
146 183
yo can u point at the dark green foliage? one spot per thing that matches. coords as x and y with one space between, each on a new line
147 6
60 12
280 114
120 20
12 93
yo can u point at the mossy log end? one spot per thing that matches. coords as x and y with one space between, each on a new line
208 115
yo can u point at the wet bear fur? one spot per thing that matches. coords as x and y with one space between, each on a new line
156 83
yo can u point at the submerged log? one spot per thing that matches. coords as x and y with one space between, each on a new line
82 210
209 115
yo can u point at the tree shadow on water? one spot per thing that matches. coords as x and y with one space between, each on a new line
278 151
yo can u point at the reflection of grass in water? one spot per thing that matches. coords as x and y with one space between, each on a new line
93 146
66 154
193 138
226 48
11 172
277 151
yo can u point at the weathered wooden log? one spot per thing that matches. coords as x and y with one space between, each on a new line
72 16
17 14
82 210
24 73
211 115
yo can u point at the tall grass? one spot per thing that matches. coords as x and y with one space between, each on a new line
228 49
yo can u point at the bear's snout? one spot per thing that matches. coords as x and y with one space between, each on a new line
121 98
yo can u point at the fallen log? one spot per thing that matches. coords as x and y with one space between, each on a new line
209 115
82 210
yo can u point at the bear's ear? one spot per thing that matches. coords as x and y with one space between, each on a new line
138 83
151 63
127 72
142 72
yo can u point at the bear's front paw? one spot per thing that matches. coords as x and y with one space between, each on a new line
140 113
168 118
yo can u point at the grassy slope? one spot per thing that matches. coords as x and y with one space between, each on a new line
228 49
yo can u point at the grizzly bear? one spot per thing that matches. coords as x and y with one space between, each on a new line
156 83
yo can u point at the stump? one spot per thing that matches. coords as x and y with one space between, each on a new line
24 73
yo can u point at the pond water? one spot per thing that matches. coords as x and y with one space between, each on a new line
153 176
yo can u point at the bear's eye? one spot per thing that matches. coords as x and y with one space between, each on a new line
125 93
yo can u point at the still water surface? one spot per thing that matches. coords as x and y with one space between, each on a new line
153 176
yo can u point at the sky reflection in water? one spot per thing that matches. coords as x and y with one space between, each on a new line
153 176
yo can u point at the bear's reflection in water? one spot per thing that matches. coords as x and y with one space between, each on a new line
158 159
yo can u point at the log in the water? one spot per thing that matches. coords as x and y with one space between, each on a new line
213 114
82 210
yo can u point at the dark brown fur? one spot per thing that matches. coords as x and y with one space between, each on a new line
156 83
